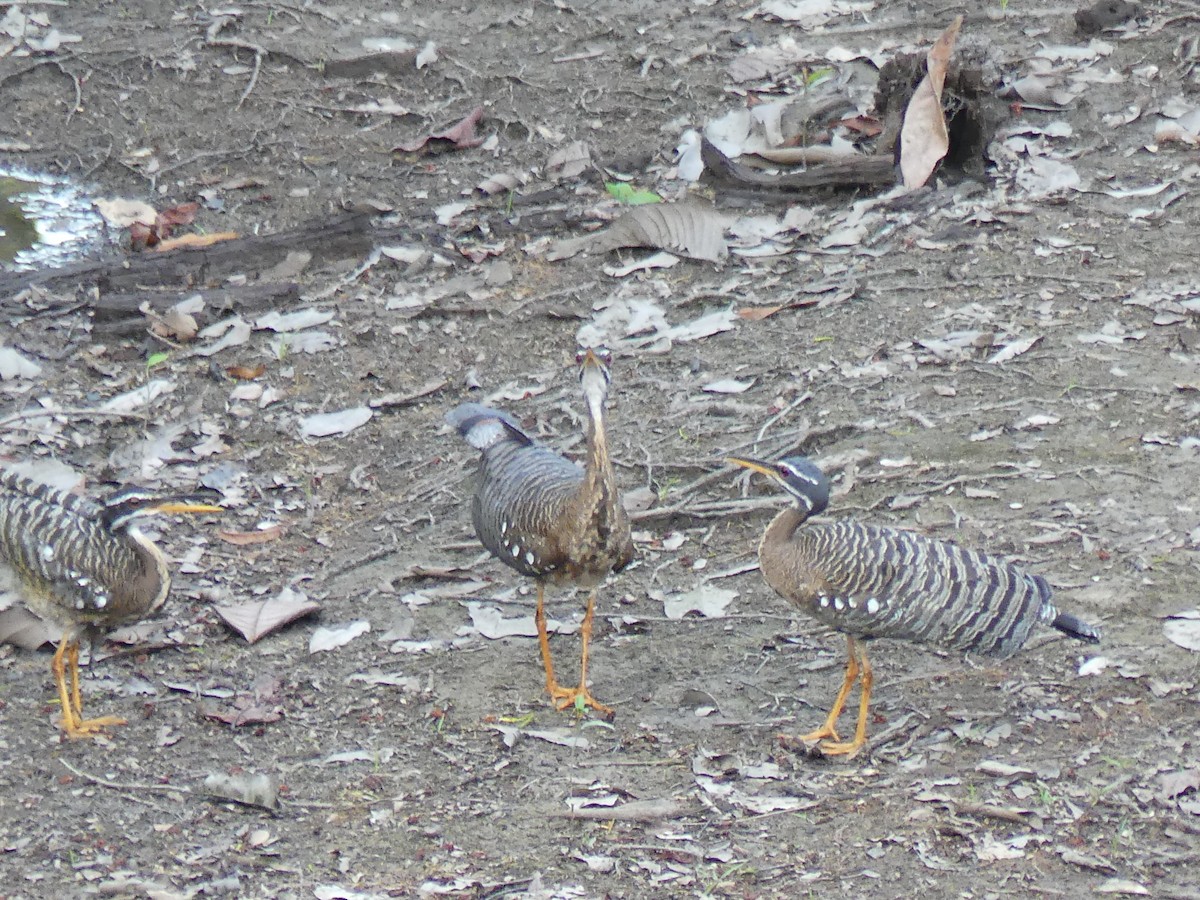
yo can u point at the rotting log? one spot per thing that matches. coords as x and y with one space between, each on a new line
115 288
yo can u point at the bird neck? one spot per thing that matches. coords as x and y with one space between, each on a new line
777 553
148 589
599 483
778 535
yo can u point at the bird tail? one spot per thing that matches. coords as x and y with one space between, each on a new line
1076 628
483 427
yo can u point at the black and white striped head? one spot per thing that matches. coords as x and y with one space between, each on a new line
595 373
798 475
120 510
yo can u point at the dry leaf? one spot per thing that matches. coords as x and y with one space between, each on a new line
21 628
460 136
1184 630
292 321
246 373
758 313
341 422
13 365
710 602
337 636
1013 349
569 162
1183 781
124 213
924 139
139 397
258 619
1121 886
245 538
251 790
691 229
492 624
729 386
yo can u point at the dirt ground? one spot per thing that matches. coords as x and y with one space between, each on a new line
421 758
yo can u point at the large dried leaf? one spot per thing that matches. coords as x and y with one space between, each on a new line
256 620
21 628
924 139
690 229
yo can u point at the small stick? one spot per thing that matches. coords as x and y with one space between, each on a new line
635 811
123 786
988 811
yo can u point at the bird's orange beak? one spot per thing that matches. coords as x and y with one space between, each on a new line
178 505
755 465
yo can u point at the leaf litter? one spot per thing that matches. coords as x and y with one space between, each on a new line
886 250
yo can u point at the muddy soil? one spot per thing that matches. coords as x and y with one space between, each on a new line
421 758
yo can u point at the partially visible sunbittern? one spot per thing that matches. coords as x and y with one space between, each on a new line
82 566
547 517
872 582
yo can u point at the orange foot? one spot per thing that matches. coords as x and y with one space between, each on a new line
848 749
565 698
76 728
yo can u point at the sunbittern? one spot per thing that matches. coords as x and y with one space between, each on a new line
872 582
546 516
82 567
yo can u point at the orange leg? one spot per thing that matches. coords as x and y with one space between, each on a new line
850 748
539 617
564 697
69 697
829 730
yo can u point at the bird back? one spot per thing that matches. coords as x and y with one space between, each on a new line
524 490
65 564
880 582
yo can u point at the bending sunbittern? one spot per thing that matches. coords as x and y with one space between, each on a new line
547 517
873 582
81 566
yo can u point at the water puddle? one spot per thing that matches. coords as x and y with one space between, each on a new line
44 222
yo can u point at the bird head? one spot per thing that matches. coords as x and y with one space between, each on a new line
594 375
122 508
797 475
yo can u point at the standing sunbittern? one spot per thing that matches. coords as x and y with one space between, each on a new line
81 567
871 582
547 517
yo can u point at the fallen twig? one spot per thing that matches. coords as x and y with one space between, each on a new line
988 811
713 509
130 787
634 811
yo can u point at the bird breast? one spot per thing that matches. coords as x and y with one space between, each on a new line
529 512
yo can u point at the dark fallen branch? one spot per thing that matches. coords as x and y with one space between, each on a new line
345 237
119 313
854 171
